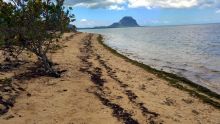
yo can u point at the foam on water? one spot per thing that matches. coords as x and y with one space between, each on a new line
191 51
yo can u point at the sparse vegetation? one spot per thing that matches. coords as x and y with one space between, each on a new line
34 26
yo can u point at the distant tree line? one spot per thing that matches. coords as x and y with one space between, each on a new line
34 26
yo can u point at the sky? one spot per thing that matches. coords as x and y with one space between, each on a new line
90 13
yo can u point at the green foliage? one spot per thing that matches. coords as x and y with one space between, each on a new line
33 25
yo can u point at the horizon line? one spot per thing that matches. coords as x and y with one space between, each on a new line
168 25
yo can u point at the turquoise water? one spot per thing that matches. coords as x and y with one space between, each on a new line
191 51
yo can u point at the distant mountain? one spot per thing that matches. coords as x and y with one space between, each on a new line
126 21
71 27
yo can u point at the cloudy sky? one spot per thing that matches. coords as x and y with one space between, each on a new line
91 13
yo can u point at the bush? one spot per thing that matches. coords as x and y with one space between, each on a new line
32 25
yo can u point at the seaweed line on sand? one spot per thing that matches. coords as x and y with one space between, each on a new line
203 93
96 78
151 116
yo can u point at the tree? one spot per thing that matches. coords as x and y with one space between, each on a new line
33 25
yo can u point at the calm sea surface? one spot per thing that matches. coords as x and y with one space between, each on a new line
191 51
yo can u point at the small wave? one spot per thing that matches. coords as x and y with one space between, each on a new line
181 69
188 50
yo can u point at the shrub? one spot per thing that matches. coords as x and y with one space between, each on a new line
33 25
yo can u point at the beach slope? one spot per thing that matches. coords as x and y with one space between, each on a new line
102 88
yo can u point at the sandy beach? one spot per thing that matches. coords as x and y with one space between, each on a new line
98 87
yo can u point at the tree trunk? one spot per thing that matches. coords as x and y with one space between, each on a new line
47 65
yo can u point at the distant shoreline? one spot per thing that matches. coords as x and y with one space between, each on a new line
152 26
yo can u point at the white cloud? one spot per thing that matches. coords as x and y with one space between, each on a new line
94 3
162 3
116 7
117 1
156 21
90 23
218 11
121 4
83 20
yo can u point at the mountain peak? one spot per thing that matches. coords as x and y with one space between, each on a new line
126 21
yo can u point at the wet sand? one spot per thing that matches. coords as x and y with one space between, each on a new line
97 87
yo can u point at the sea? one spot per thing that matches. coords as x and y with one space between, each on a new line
190 51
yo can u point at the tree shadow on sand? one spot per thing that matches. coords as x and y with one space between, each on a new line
11 87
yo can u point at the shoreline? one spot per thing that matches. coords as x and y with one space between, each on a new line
98 86
185 60
173 79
